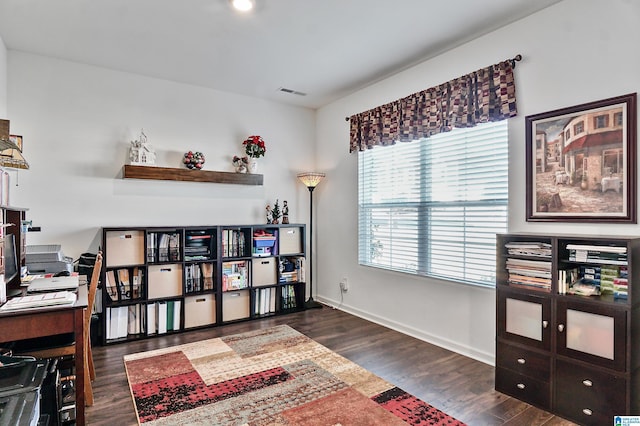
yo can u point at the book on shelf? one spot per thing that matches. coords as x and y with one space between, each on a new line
566 278
235 275
233 243
152 244
288 299
611 255
529 273
529 248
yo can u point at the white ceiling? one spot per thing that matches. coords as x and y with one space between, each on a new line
324 48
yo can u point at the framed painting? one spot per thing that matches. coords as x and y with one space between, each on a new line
580 162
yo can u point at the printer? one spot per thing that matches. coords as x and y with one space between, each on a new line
21 380
47 259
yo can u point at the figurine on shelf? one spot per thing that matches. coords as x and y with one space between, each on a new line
285 212
269 214
240 163
142 153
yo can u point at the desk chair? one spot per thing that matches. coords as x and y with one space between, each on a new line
67 348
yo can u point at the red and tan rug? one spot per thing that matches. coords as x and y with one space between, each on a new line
275 376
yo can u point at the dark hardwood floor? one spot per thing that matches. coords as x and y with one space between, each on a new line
460 386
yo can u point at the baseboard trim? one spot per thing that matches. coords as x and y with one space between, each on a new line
487 358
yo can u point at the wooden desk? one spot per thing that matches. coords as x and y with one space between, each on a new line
48 322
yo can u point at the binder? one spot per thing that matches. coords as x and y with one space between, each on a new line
162 317
152 324
131 326
170 315
123 321
113 321
176 315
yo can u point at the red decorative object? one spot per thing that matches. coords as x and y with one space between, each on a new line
254 146
193 160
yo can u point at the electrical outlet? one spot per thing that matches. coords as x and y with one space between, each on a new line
344 285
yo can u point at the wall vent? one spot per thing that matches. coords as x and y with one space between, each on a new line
292 92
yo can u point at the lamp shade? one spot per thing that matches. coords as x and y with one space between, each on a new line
10 152
12 158
311 179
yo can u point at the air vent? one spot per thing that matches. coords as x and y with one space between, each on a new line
293 92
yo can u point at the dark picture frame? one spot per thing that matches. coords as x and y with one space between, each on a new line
581 163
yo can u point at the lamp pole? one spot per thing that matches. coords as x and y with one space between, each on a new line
310 303
311 180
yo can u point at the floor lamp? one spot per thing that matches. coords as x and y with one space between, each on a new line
311 180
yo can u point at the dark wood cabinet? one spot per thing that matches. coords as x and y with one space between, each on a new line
567 321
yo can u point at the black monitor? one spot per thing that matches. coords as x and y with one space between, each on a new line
10 258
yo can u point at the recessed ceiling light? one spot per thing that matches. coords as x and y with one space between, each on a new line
242 5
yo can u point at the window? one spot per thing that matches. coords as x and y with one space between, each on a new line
578 128
601 121
617 118
433 207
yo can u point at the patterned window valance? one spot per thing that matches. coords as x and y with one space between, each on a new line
488 94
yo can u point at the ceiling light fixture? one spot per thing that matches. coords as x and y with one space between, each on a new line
242 5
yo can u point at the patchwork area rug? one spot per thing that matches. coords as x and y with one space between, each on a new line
275 376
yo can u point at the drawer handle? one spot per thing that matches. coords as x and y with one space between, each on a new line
587 382
165 269
521 361
545 324
520 386
587 411
560 328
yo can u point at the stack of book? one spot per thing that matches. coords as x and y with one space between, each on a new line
529 273
606 255
529 248
621 284
235 275
289 297
197 245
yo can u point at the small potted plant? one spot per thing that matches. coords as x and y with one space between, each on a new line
254 147
275 213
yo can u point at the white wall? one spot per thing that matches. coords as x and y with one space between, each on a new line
574 52
3 80
77 122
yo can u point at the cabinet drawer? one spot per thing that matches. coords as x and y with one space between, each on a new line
535 392
235 305
524 362
588 396
124 248
199 310
290 240
264 271
165 281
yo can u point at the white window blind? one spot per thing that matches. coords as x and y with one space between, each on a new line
433 206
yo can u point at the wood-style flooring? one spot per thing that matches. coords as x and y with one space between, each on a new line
460 386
